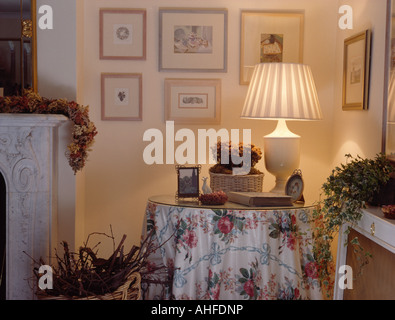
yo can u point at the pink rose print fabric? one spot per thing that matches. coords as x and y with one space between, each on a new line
232 254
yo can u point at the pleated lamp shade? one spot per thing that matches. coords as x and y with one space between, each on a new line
282 91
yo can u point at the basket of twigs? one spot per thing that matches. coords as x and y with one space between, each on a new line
84 276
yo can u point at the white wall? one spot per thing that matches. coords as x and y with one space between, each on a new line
118 182
57 78
360 132
114 187
56 56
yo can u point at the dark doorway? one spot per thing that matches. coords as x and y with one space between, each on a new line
3 208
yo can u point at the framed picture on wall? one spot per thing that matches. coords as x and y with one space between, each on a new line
193 100
193 39
121 96
356 70
188 182
269 37
123 34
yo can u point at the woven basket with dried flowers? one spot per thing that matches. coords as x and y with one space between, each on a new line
221 174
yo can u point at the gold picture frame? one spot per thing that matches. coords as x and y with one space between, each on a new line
188 185
270 37
356 71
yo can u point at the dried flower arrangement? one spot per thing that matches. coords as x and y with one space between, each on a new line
223 168
84 130
215 198
83 275
389 211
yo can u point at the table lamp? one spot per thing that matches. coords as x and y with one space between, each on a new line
282 91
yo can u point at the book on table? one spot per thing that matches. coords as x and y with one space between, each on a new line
260 199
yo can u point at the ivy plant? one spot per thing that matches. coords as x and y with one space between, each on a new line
347 191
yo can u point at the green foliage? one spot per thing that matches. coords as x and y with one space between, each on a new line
351 186
346 192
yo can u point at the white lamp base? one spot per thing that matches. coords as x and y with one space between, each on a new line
282 155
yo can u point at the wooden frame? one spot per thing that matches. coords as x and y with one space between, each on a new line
269 37
193 100
375 227
388 125
121 96
34 44
123 34
22 66
205 51
356 71
188 182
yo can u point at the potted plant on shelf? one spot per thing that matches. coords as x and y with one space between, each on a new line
221 174
346 192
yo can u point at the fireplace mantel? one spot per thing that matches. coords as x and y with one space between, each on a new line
29 165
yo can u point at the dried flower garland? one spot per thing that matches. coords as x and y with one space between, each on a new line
84 130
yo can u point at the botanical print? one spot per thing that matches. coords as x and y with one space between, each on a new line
193 39
356 70
123 33
272 47
186 100
121 97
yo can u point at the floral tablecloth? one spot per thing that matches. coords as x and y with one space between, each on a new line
232 254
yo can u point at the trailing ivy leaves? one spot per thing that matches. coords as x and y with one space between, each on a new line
352 185
346 192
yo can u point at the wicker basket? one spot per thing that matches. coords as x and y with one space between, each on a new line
130 290
242 183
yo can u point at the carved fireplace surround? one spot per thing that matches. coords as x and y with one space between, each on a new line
28 163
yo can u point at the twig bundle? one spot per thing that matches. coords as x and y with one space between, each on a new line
83 274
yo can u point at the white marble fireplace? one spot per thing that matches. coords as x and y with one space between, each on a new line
28 163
